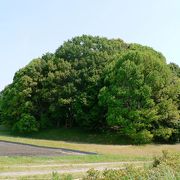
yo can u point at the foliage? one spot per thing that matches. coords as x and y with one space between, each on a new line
26 124
88 56
61 89
140 95
175 69
100 84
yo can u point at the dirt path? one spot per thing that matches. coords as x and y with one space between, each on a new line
82 164
19 149
71 168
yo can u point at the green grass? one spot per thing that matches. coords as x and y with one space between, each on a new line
106 145
34 160
50 176
110 148
54 164
73 135
163 167
88 141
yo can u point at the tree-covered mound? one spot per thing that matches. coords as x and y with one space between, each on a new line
99 84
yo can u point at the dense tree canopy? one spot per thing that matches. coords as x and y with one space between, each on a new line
96 83
88 56
141 96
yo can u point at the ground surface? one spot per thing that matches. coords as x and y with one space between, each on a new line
30 170
66 153
17 149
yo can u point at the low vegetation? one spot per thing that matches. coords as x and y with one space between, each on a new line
88 141
164 167
108 151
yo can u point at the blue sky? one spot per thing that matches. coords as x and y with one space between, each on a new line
30 28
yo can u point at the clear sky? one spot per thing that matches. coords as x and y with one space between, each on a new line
30 28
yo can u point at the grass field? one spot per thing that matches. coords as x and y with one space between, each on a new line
106 145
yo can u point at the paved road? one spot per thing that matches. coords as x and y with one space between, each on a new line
18 149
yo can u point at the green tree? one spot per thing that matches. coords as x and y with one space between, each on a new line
43 89
88 56
96 83
18 97
140 95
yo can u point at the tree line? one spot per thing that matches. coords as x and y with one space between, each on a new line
98 84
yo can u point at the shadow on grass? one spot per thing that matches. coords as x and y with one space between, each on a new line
75 135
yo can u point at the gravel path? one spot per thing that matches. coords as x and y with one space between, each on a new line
18 149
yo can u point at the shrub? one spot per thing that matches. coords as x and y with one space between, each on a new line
142 137
26 124
92 174
163 134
